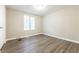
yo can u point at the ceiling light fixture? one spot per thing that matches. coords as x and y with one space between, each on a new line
39 7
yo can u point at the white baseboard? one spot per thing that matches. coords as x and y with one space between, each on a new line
4 41
22 37
70 40
47 35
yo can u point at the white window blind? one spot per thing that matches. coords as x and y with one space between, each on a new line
29 22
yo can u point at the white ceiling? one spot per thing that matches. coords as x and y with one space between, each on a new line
31 10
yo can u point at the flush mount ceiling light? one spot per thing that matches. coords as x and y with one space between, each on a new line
39 7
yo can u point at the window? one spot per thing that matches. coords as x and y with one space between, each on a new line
29 22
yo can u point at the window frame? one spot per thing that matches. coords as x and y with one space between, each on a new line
30 24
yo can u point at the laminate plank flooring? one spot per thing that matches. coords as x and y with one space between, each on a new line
40 44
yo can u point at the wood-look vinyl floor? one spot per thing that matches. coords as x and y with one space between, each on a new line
40 44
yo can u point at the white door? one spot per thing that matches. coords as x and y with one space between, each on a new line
2 25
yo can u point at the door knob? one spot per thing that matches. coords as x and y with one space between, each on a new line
1 27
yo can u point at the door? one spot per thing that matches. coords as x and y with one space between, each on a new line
2 25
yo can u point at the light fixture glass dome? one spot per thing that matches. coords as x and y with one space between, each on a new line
39 7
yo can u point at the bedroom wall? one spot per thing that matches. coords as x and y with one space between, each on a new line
15 24
63 23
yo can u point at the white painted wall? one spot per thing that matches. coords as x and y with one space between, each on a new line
2 24
15 24
63 23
